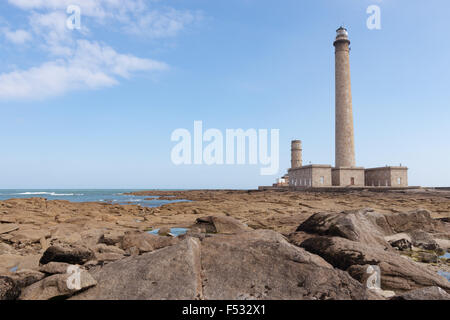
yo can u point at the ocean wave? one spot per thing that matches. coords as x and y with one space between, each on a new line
30 193
48 193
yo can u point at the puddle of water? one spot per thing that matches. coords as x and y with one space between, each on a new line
446 256
175 231
444 274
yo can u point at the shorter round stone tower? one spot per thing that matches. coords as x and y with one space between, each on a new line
296 154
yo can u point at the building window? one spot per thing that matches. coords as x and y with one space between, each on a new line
399 180
352 181
322 180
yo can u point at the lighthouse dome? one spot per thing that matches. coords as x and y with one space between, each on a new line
341 33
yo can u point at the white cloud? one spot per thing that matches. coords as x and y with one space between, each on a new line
135 16
91 8
92 66
17 36
51 29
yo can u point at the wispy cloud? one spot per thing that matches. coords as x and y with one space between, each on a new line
18 36
92 66
134 16
92 8
159 24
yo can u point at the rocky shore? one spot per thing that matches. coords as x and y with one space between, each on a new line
239 245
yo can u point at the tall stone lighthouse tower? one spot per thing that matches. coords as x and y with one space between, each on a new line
345 172
345 142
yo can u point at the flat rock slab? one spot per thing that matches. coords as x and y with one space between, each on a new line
220 224
429 293
54 268
8 227
146 242
6 219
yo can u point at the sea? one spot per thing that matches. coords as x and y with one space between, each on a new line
112 196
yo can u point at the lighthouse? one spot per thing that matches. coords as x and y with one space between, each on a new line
345 141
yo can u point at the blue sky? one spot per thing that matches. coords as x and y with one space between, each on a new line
96 107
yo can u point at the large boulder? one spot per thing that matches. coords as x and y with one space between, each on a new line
424 240
169 273
415 220
77 255
363 225
263 265
146 242
251 265
8 289
372 228
398 273
221 224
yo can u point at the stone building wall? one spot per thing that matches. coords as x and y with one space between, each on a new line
310 176
387 177
345 177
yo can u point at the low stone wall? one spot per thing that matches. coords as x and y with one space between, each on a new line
350 189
